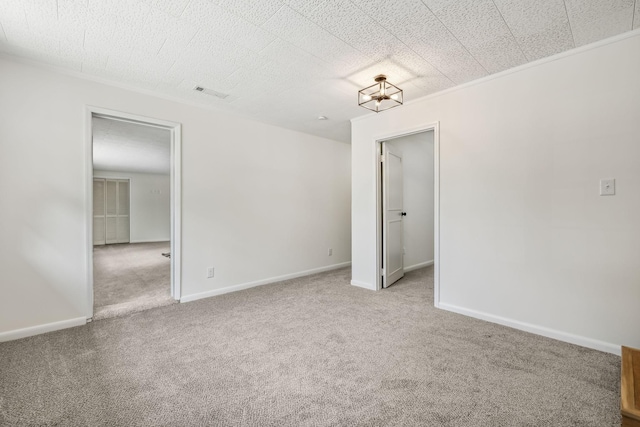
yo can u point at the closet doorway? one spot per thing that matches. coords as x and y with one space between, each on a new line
415 243
407 195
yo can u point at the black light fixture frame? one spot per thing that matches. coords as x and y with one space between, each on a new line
380 96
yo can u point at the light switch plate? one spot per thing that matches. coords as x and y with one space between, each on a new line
607 187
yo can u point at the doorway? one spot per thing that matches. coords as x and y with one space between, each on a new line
133 211
408 205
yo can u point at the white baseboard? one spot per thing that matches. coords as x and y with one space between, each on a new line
150 241
41 329
234 288
364 285
417 266
535 329
406 270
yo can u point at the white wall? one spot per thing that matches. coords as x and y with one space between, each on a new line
525 238
150 213
417 183
258 201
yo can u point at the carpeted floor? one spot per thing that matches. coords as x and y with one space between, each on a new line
130 277
312 351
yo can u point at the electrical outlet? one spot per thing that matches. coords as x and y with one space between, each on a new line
608 187
329 251
209 272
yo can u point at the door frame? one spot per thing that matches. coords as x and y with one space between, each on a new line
176 193
435 128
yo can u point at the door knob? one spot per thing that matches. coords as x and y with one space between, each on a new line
404 214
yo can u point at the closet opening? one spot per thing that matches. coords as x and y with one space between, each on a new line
408 208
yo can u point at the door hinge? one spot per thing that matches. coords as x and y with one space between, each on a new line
381 158
382 271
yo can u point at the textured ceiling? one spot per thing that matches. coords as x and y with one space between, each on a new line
130 147
288 61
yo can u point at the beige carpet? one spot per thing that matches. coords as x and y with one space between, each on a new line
313 351
130 277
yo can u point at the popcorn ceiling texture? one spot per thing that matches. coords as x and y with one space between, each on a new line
131 147
287 61
304 353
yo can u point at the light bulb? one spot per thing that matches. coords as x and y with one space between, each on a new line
382 88
378 103
366 98
394 96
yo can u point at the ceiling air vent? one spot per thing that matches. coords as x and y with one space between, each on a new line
211 92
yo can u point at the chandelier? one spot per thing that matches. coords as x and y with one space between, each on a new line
380 96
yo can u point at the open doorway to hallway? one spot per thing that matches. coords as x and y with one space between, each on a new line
132 216
407 193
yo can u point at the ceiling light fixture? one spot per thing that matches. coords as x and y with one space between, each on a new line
323 118
380 96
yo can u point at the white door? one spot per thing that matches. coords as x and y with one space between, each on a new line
392 216
111 211
111 201
122 233
99 225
